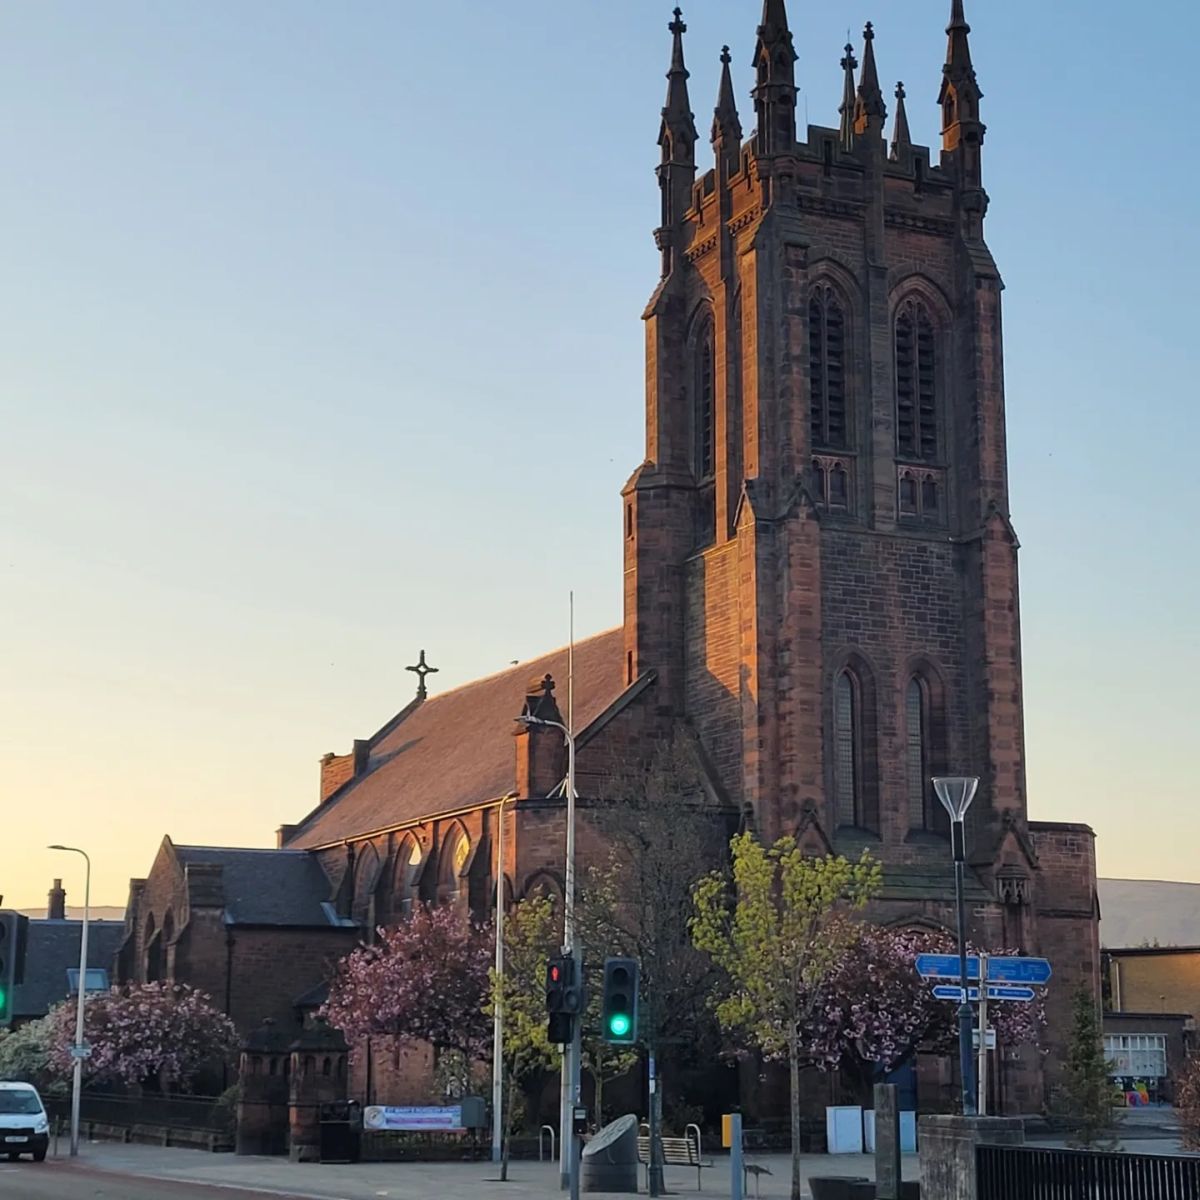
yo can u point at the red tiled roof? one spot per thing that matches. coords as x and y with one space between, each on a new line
456 749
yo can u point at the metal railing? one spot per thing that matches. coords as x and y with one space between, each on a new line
1036 1173
546 1129
199 1113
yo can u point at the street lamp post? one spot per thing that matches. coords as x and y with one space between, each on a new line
498 1011
77 1066
569 1170
956 794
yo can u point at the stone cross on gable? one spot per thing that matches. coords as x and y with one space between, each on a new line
421 670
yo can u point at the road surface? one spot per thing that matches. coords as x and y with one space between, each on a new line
61 1181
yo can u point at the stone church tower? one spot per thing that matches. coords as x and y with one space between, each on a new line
819 559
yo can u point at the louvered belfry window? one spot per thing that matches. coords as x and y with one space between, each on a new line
916 384
827 371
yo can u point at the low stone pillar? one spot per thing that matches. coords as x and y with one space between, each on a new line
318 1077
887 1142
262 1111
947 1146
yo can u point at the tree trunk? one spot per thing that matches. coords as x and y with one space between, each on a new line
794 1065
598 1084
507 1125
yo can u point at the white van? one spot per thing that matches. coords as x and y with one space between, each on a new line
24 1126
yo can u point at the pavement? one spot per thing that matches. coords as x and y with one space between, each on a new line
124 1172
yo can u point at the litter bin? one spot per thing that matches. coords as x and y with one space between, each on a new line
610 1159
340 1139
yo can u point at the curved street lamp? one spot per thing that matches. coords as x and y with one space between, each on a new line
77 1049
956 793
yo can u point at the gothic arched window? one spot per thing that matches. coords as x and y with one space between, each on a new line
916 750
916 384
454 854
152 942
736 428
847 748
827 371
404 885
924 724
706 405
853 730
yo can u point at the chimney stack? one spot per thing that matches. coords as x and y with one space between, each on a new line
56 909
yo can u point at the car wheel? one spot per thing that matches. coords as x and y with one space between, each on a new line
39 1155
13 1156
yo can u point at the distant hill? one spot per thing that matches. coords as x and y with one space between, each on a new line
1136 911
98 912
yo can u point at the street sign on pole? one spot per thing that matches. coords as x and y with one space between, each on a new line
1019 970
991 1038
999 970
945 966
948 991
1019 994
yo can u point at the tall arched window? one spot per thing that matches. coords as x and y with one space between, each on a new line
916 384
827 371
704 432
706 404
735 428
153 951
454 854
404 884
916 750
366 882
924 726
847 748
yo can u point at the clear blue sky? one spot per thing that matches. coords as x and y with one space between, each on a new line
320 343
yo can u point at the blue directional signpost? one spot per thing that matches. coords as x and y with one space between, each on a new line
950 991
1004 978
1025 971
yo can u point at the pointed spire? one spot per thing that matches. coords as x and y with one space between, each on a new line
775 90
774 18
677 140
901 138
677 113
727 126
870 111
960 94
849 64
958 31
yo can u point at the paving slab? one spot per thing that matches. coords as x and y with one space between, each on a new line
434 1181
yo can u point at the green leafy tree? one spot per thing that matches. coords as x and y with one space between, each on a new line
663 831
1088 1094
530 938
777 934
601 1060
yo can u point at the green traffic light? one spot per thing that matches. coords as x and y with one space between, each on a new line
618 1024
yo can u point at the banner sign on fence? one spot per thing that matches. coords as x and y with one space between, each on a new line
446 1119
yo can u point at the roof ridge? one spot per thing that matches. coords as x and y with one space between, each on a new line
525 664
240 849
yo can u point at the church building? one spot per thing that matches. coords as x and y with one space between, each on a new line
820 567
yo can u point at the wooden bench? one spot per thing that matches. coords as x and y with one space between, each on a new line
676 1152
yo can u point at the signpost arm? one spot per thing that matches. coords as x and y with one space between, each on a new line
983 1032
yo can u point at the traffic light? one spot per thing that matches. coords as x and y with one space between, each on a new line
618 1011
12 951
564 998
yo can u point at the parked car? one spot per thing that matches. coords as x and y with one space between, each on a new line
24 1126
